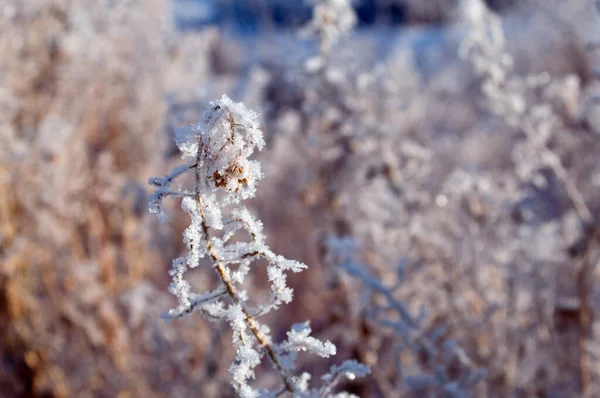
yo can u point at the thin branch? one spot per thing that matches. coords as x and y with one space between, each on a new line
252 324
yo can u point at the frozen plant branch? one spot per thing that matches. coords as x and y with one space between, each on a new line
218 152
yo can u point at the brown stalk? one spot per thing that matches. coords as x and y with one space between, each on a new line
250 321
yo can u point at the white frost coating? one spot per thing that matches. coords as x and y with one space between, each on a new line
299 339
192 236
330 21
217 152
247 358
350 370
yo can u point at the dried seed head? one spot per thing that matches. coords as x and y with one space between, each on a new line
223 143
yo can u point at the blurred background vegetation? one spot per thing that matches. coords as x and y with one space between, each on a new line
90 93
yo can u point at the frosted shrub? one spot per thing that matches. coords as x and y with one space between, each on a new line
217 153
514 98
373 174
451 371
554 250
81 99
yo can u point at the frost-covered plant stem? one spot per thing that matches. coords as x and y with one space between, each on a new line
252 324
229 286
219 149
